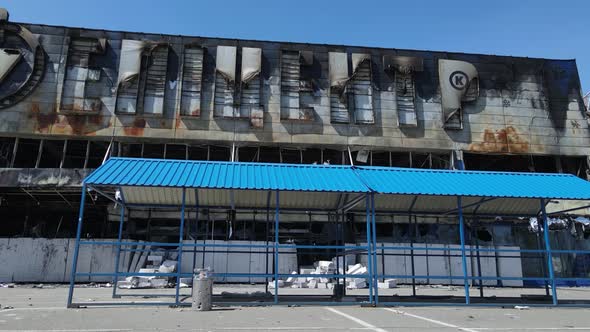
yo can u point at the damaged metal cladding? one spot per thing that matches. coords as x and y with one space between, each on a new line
339 76
81 90
295 86
362 88
403 69
22 52
192 80
9 57
459 82
251 63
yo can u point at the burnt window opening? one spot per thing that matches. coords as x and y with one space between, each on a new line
27 152
543 164
192 77
297 87
400 159
153 151
351 88
51 154
380 159
133 150
484 235
82 86
508 163
421 160
440 161
176 151
269 155
219 153
248 154
312 156
577 166
96 155
291 156
6 151
198 153
75 156
333 157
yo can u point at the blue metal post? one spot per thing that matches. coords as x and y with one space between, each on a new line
196 230
463 256
276 297
180 244
77 247
118 257
374 250
548 252
369 259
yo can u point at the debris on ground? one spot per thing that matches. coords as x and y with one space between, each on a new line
521 307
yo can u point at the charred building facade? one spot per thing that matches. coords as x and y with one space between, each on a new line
72 97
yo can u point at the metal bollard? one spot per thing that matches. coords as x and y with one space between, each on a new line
202 289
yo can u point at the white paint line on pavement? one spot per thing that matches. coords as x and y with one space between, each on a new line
356 320
434 321
76 330
534 328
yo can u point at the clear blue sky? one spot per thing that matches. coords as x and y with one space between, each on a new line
542 28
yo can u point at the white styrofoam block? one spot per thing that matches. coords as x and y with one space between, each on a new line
312 284
388 283
271 284
168 266
158 283
291 279
155 258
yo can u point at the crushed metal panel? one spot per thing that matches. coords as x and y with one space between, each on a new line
128 78
192 77
79 82
403 69
458 82
9 57
292 86
226 62
251 87
362 89
130 61
338 65
155 83
251 63
225 80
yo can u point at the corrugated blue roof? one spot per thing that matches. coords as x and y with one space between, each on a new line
409 181
225 175
295 177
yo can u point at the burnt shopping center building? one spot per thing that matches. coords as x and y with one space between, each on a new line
71 98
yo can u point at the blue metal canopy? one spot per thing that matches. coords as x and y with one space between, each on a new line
410 181
159 181
132 172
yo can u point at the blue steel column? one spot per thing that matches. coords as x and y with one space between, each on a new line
369 259
118 257
463 256
180 244
374 251
548 252
276 297
196 230
77 247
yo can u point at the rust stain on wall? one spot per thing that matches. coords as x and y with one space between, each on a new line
137 128
43 121
506 140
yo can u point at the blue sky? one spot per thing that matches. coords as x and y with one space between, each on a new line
542 28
